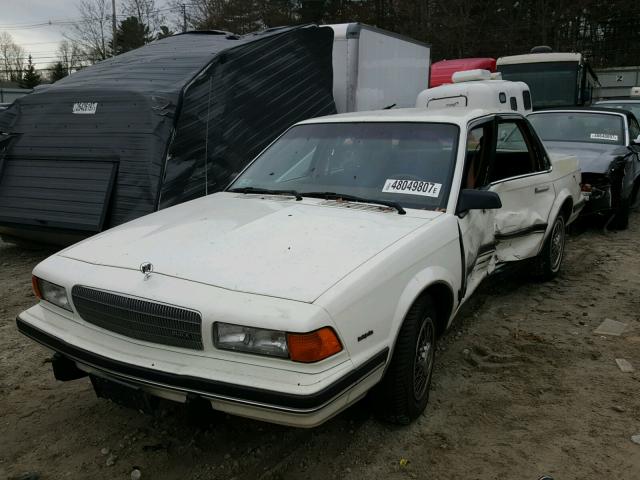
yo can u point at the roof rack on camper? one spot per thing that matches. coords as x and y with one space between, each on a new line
478 89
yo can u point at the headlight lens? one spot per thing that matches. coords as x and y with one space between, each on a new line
299 347
251 340
51 292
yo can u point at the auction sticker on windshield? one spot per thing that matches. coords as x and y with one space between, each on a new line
412 187
604 136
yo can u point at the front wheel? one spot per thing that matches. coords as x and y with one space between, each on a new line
550 258
403 393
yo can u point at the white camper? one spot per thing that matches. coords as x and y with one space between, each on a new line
478 89
375 69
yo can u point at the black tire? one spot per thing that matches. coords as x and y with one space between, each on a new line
403 393
549 261
620 219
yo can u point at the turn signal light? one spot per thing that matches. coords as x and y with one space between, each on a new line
36 287
313 346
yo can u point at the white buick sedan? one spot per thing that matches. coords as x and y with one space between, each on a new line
330 266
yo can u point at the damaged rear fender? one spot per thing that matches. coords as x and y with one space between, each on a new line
563 205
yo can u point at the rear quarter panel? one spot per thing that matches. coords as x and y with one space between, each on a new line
566 177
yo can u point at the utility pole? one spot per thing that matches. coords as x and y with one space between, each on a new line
184 17
114 42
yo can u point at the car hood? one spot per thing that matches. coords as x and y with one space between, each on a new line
592 157
264 245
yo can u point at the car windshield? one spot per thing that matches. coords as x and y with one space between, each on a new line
632 107
580 127
410 164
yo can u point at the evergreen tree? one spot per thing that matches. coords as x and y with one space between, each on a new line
606 32
312 10
30 78
164 32
131 34
57 72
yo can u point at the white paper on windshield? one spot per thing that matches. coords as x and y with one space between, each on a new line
604 136
412 187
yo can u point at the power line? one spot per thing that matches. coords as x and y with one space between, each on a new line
40 43
71 21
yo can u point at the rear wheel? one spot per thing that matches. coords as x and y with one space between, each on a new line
403 393
550 259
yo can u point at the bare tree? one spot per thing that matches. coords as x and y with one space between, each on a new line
146 11
12 58
70 56
237 16
605 31
92 32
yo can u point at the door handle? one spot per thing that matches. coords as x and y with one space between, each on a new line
544 188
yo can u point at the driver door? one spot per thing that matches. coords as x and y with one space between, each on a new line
477 241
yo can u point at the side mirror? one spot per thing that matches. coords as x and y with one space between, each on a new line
636 141
470 199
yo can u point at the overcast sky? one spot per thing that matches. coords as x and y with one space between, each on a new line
41 42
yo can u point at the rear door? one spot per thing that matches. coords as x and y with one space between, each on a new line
520 174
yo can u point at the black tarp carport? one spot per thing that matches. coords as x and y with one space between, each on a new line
156 126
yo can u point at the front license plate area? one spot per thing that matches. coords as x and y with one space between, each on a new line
123 394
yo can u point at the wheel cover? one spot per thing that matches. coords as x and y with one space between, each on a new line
423 360
557 245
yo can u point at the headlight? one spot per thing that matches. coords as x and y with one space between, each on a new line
250 340
50 292
299 347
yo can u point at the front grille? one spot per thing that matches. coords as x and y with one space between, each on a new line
141 319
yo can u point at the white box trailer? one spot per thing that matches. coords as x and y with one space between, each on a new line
374 68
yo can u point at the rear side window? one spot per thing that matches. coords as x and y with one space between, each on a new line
515 153
526 99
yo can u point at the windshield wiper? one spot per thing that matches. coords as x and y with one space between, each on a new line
353 198
266 191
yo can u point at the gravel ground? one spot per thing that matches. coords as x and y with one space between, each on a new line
522 387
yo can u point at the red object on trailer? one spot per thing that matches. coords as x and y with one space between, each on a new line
441 71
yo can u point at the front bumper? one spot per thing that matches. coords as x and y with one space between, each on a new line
302 410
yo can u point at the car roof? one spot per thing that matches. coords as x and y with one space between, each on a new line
619 111
458 116
620 100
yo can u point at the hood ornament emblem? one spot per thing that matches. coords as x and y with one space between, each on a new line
146 268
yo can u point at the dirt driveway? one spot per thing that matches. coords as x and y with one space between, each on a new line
523 387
